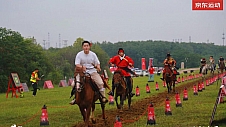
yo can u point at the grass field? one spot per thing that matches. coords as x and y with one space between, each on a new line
27 111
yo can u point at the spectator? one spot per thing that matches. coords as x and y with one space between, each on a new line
151 74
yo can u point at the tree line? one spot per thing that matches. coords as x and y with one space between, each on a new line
21 55
189 53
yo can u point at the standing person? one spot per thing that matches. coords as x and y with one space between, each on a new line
123 62
34 79
151 74
89 63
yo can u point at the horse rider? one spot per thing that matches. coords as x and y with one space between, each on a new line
172 63
203 63
89 63
212 62
220 60
123 63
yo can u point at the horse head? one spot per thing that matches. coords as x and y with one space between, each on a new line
168 70
118 78
80 78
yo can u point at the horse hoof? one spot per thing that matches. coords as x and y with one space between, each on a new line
90 125
93 120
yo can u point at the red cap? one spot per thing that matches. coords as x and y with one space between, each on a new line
120 50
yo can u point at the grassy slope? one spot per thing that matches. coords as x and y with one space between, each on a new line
27 111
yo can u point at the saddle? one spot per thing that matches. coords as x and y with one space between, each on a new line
93 84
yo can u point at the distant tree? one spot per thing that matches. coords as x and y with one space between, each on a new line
19 55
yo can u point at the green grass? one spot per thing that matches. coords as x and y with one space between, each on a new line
196 111
27 111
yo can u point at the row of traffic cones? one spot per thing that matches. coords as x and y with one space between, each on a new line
151 113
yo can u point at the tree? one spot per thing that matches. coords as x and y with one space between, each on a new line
19 55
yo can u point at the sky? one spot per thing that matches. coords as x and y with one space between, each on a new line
112 21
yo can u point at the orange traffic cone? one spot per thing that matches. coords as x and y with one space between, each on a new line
137 91
118 122
147 89
207 83
178 101
44 117
156 86
164 83
178 79
195 90
167 107
203 86
222 94
111 100
199 87
151 115
185 94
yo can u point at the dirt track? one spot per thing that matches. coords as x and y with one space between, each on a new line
138 108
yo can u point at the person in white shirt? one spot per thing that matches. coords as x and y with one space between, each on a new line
89 62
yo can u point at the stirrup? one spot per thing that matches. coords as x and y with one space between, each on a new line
111 93
73 102
132 94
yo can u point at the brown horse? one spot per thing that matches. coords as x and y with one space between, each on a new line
121 90
86 97
169 78
221 66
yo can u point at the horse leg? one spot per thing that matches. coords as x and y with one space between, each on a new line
88 110
168 87
103 111
83 112
129 100
121 102
174 86
92 117
116 101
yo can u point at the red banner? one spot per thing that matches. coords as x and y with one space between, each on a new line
143 64
150 62
207 5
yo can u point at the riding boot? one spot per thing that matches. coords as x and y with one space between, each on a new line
102 92
162 77
175 78
113 89
74 100
129 86
72 92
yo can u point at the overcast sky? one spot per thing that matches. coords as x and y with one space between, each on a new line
112 20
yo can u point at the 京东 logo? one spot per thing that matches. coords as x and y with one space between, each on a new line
207 5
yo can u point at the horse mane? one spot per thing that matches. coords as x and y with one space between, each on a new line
118 71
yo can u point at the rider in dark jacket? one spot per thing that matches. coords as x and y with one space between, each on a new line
220 60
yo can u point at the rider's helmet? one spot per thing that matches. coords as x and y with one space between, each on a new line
168 55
